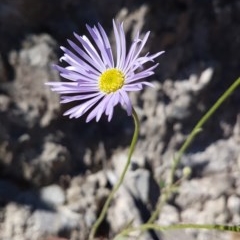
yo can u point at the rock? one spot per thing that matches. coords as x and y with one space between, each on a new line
180 109
138 181
48 222
52 195
4 103
33 69
28 106
136 17
215 211
21 223
183 93
237 184
233 205
216 158
99 179
200 190
87 196
177 234
119 215
169 215
47 166
15 219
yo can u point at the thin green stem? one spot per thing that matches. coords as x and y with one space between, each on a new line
120 181
202 121
145 227
185 146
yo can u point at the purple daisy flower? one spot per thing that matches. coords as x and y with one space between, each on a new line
98 80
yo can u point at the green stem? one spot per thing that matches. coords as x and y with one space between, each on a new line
187 143
119 183
145 227
202 121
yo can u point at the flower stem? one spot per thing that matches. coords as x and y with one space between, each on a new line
120 181
145 227
186 144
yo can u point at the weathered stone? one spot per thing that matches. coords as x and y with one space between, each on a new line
169 215
53 195
233 205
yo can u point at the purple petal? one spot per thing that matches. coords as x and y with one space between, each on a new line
86 58
79 110
131 51
122 45
146 73
107 44
99 109
126 101
111 104
67 99
91 51
101 46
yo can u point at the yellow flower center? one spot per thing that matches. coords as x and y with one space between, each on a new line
111 80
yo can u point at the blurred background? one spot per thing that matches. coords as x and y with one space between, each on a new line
56 173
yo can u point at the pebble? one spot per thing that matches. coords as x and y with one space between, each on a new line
53 195
169 215
233 205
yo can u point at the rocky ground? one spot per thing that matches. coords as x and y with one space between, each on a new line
56 173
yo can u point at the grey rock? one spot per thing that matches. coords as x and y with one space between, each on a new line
200 190
139 182
4 103
99 179
237 184
233 205
33 69
169 215
124 212
216 158
215 211
87 195
182 94
15 219
53 195
177 234
47 222
136 17
47 166
21 223
180 108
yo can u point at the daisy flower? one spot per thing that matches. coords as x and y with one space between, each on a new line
97 79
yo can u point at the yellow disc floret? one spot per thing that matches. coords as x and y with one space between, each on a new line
111 80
